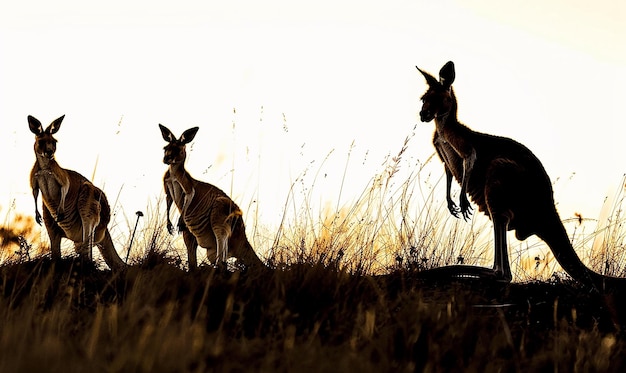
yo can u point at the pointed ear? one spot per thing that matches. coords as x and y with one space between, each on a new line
55 125
446 75
430 80
167 134
35 125
188 135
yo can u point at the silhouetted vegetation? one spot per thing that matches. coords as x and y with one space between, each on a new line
304 316
339 292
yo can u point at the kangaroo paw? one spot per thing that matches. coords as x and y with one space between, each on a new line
466 208
454 209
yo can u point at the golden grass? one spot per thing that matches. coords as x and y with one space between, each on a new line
337 295
398 221
298 316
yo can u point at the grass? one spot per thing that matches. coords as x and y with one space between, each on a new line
397 222
338 294
298 317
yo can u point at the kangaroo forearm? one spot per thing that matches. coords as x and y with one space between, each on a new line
468 167
448 183
35 197
167 211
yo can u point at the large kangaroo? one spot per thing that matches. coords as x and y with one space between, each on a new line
505 180
72 207
208 217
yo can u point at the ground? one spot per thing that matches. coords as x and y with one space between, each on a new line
300 317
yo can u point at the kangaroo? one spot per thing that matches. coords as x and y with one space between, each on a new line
72 206
505 180
208 217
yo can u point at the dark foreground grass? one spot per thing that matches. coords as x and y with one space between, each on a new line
155 317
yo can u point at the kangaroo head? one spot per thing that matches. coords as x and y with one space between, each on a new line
439 98
174 151
45 144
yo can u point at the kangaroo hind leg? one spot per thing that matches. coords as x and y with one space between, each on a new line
222 220
222 234
55 233
191 243
503 180
108 252
89 212
89 232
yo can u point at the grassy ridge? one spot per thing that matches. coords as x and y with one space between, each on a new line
339 294
303 316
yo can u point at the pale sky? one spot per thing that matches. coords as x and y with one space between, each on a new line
306 79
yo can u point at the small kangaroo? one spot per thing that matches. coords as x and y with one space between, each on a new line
208 217
72 206
505 180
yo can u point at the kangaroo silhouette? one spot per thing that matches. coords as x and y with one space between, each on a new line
505 180
208 217
72 206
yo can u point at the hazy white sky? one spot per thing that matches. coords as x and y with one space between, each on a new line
306 79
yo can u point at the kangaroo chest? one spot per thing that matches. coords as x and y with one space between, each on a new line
49 187
50 190
193 215
452 156
197 217
176 191
449 156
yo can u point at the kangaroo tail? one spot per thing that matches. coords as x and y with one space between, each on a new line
555 235
249 256
110 255
245 252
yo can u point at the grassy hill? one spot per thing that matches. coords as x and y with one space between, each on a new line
302 316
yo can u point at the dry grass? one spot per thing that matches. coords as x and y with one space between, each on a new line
393 224
302 316
338 294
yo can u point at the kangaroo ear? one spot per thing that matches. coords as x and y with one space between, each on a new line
188 135
35 125
167 134
446 75
429 78
55 125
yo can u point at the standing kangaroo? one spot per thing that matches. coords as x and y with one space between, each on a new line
505 180
72 206
208 217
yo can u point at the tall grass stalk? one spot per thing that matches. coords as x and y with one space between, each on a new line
393 223
336 295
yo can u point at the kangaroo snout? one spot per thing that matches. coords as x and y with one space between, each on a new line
426 116
169 156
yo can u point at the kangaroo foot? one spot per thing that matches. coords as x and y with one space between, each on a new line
221 267
458 272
